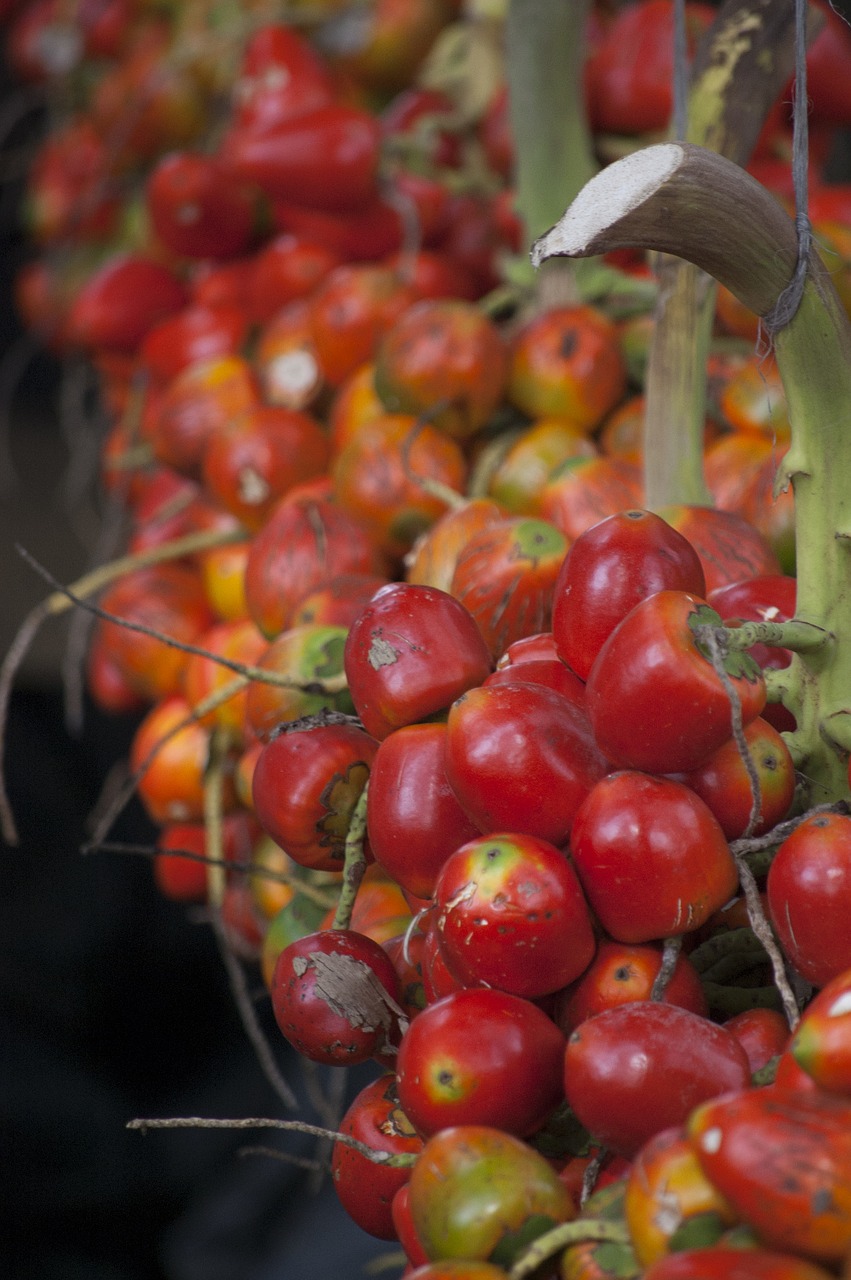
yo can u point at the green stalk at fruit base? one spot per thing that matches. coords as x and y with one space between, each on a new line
681 199
741 65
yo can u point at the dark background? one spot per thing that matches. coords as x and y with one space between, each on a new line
114 1003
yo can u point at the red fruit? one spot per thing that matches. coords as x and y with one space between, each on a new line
325 159
480 1056
635 1070
621 973
610 568
305 786
121 301
414 820
365 1189
335 997
304 543
257 457
654 699
652 859
411 652
197 209
520 757
809 896
511 915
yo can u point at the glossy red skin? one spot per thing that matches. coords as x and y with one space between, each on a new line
413 817
259 456
325 159
520 758
782 1158
197 332
628 78
652 859
349 313
610 568
829 69
480 1056
284 269
729 547
305 999
767 597
358 235
438 979
366 1190
809 896
722 1263
551 673
177 877
634 1070
196 208
303 544
121 301
411 652
529 649
306 782
654 701
621 973
764 598
821 1044
406 1232
511 915
281 76
724 784
762 1033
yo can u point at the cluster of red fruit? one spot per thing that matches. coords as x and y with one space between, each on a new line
446 731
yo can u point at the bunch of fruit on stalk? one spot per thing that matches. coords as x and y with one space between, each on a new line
435 716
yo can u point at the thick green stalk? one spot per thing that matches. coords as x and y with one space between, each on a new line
685 200
740 66
545 51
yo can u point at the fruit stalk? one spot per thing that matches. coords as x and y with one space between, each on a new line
740 66
545 50
682 199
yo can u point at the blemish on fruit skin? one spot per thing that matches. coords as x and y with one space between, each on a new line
381 653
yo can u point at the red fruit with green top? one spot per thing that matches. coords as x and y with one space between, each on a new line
477 1193
511 915
654 698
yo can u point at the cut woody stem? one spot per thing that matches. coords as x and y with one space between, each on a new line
741 65
682 199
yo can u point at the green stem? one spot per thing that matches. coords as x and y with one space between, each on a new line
567 1233
354 862
545 51
800 637
683 199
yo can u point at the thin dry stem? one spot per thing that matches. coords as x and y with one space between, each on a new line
248 1017
404 1160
